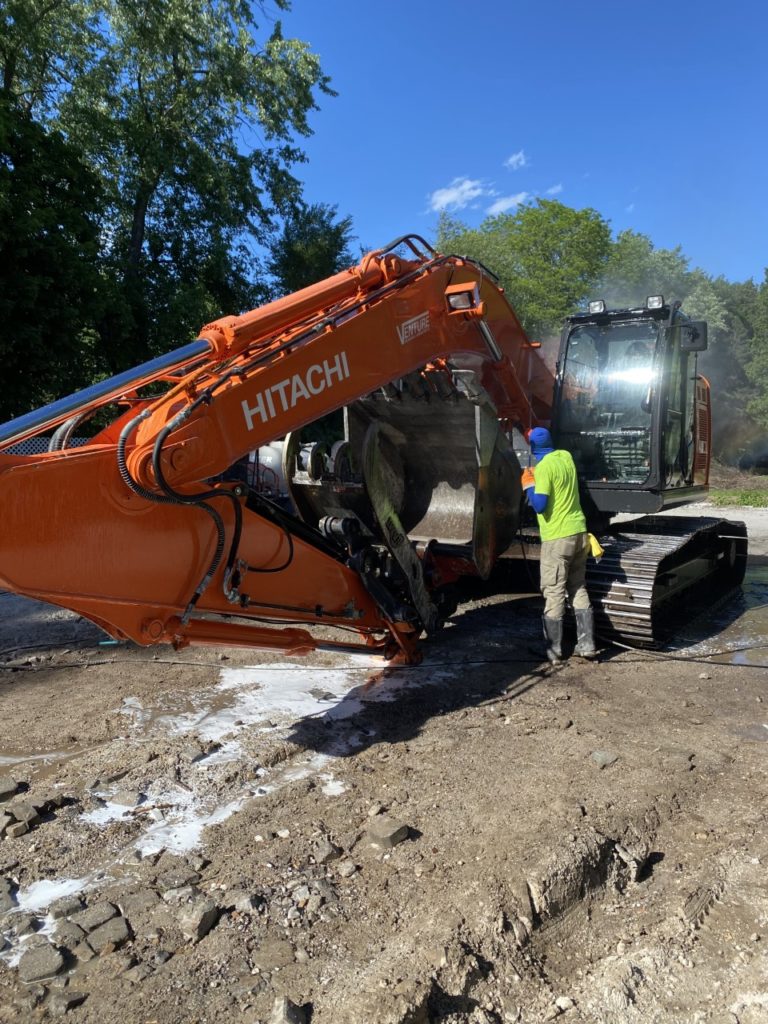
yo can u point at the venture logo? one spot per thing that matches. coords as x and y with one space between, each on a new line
410 329
289 392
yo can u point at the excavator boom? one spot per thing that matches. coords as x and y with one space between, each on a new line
149 530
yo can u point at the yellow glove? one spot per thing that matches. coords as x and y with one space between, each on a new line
595 547
527 479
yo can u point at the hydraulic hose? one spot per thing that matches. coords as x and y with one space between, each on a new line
170 498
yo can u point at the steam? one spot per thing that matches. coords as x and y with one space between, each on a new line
736 438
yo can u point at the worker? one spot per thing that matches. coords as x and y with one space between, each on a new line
553 492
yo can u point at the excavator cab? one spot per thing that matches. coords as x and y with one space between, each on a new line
631 407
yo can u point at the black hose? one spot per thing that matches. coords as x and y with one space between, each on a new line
63 434
171 498
200 500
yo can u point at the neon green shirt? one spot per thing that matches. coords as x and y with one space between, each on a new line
555 476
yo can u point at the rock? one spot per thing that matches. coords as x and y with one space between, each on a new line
374 809
109 936
177 897
53 800
564 1003
5 821
65 907
193 753
138 973
286 1012
61 1003
243 902
127 798
8 787
40 962
23 812
69 934
18 828
197 919
386 833
326 851
95 916
283 833
29 998
177 878
314 903
83 952
6 899
23 924
704 675
138 903
347 868
121 963
604 758
324 888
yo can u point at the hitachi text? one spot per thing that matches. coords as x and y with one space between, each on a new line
286 394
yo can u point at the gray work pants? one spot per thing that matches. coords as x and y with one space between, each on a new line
562 567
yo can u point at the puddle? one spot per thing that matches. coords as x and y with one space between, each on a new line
36 766
272 695
39 895
333 787
757 732
736 632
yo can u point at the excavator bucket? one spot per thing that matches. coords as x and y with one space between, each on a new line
437 460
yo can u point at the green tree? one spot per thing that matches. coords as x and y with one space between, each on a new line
727 309
757 367
548 257
44 45
51 292
635 269
311 246
188 113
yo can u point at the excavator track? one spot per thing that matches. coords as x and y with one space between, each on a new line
656 567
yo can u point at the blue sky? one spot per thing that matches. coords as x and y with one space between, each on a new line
652 113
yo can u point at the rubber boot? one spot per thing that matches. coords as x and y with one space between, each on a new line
553 634
585 633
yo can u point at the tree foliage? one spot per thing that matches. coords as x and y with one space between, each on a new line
547 256
311 246
50 287
186 114
757 366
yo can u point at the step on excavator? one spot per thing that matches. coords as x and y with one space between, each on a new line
320 472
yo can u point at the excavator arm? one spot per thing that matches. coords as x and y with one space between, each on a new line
145 530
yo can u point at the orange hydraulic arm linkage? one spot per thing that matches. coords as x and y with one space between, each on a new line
145 531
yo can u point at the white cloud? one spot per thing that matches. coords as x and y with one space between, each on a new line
507 203
516 161
555 190
630 208
457 195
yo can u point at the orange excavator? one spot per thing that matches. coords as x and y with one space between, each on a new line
171 524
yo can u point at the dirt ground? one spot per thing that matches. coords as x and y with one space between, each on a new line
221 836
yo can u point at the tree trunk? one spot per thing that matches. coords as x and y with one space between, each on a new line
138 228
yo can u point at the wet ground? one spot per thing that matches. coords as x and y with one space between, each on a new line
561 822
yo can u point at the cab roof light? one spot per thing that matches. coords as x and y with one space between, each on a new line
597 306
654 301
